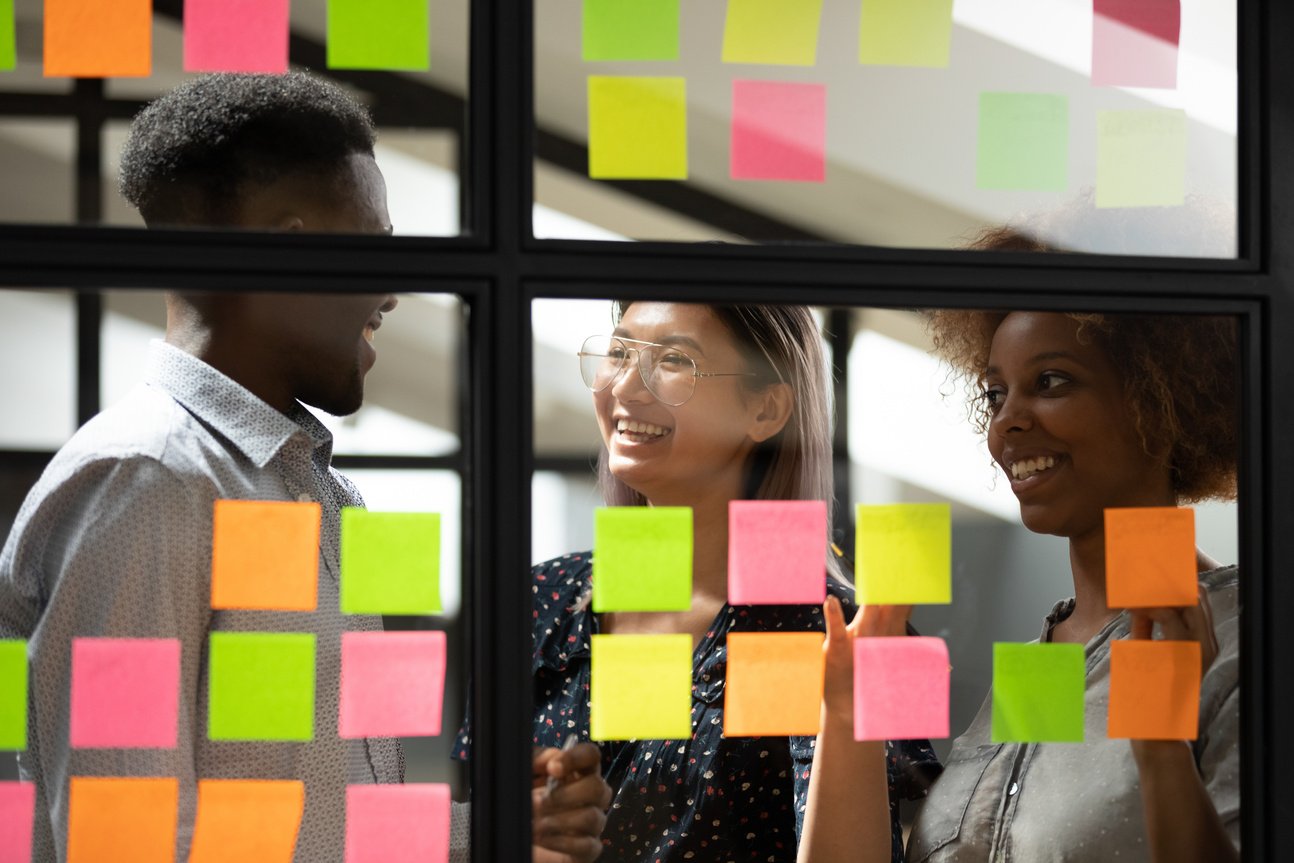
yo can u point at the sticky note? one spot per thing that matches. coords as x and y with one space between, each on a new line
772 32
125 693
17 808
1038 693
774 684
392 684
262 686
905 33
236 36
121 820
1150 557
630 30
247 820
1023 142
779 131
13 695
777 551
1141 158
637 128
379 34
264 555
641 687
390 562
904 554
642 558
8 41
901 688
95 39
1154 690
397 822
1134 42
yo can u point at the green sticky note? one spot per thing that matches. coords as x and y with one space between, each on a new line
13 695
904 554
637 128
379 34
772 32
1141 158
390 562
262 686
642 558
641 687
1038 693
8 43
630 29
1023 142
906 33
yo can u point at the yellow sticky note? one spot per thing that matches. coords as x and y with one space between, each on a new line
247 820
772 32
904 554
774 685
641 687
1141 158
637 128
905 33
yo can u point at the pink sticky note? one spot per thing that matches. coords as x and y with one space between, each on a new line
1134 42
779 131
397 822
392 684
125 693
777 551
236 36
17 806
900 688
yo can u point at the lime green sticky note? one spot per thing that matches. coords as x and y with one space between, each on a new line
630 29
905 33
904 554
1023 142
637 128
262 686
1038 693
379 34
390 562
1141 158
8 43
773 32
642 558
641 687
13 695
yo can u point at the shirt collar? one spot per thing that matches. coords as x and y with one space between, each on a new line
252 426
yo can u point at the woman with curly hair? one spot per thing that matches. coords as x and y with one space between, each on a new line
1082 412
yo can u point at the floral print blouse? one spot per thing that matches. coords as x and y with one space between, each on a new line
708 798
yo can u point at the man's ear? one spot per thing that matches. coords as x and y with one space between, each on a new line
772 410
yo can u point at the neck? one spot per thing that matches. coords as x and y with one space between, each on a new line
709 539
236 358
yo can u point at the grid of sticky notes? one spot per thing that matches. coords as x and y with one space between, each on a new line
98 39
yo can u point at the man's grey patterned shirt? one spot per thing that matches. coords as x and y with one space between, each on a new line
115 541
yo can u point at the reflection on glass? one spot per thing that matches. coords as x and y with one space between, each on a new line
1070 415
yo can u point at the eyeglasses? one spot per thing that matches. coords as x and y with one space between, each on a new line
668 373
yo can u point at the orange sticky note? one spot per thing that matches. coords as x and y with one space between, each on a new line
774 685
1154 690
121 820
98 39
247 820
265 554
1150 557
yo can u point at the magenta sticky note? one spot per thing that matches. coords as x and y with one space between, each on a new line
392 684
900 688
397 822
125 693
779 131
17 807
777 552
1135 42
236 36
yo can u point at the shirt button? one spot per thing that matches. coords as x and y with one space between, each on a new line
1015 786
305 498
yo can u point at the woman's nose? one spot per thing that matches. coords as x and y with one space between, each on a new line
1015 414
628 384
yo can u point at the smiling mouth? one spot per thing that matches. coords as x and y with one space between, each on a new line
640 431
1025 468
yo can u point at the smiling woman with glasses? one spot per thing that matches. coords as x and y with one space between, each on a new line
699 406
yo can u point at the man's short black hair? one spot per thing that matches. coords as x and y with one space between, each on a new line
191 152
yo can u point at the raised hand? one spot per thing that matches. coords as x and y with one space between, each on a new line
869 621
569 799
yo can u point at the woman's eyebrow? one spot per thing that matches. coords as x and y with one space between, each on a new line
1038 358
683 341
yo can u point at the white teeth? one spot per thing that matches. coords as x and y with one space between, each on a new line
368 334
1026 468
636 427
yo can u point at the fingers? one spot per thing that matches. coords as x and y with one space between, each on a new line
580 759
566 849
834 616
575 794
587 821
